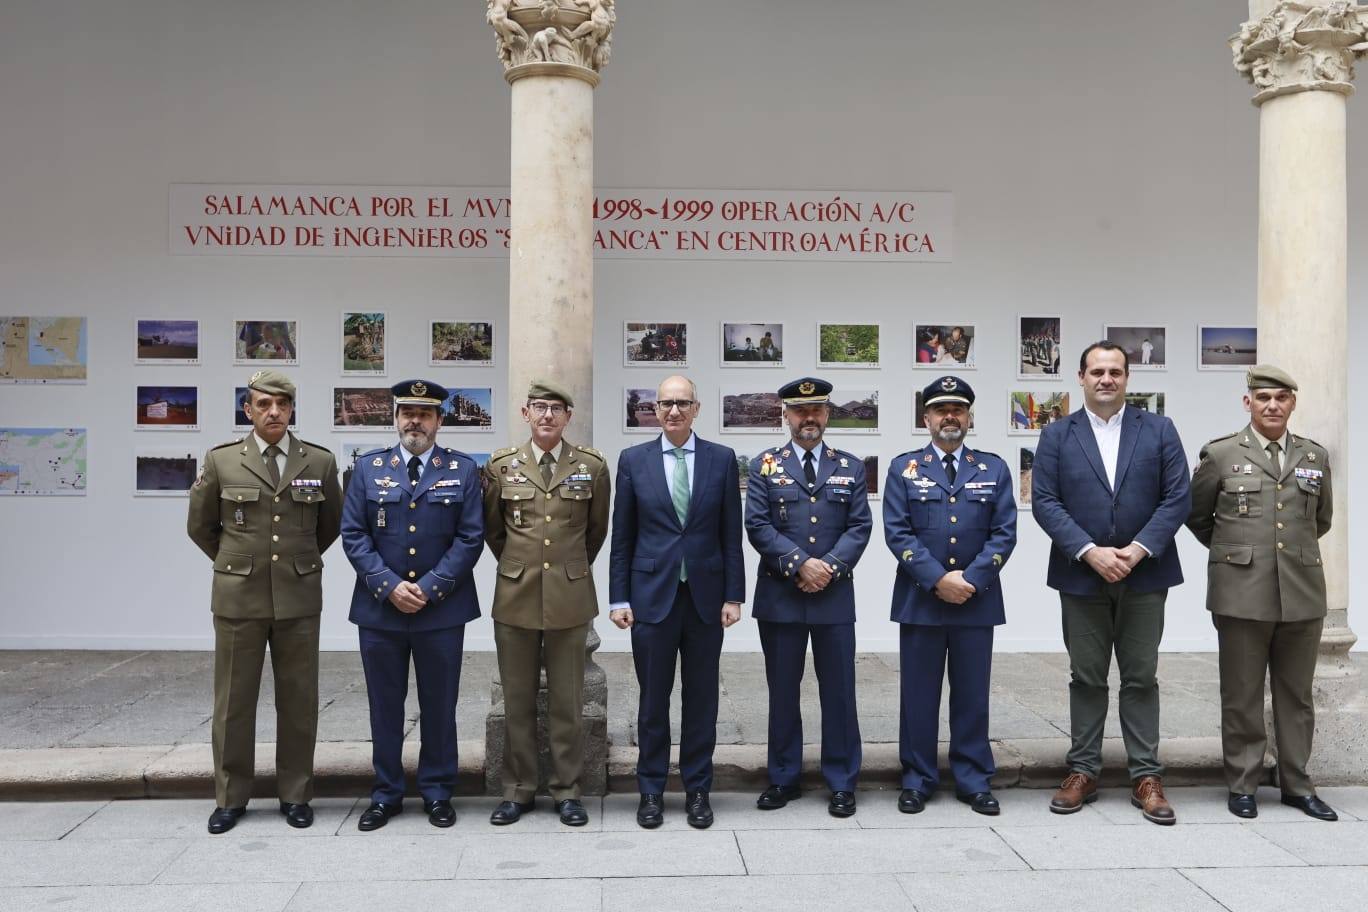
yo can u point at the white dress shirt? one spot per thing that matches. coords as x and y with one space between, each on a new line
1107 433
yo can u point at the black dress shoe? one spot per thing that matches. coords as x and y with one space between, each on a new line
224 819
776 796
1245 806
842 804
651 811
982 803
1311 806
700 810
299 816
912 801
572 813
440 813
509 811
377 815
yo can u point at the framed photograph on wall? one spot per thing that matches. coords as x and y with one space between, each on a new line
853 411
751 412
456 342
655 344
1025 463
752 344
363 344
167 408
1028 411
946 347
163 472
362 408
639 411
243 425
351 450
919 415
1147 402
847 345
470 408
266 343
1146 346
1038 347
167 342
1227 347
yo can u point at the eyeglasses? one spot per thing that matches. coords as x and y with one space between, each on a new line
542 408
666 405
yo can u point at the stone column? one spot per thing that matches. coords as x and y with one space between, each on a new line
552 52
1300 59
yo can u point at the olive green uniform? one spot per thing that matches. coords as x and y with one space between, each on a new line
1266 593
266 542
545 537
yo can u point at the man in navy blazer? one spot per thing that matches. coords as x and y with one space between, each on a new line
676 579
1111 488
413 527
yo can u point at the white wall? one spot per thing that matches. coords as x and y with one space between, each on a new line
1102 156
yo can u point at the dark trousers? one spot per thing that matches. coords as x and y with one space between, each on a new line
833 656
1131 624
698 645
922 653
436 658
239 654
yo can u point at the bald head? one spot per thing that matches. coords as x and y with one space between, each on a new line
677 407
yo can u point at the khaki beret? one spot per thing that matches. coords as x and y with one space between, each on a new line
273 382
545 389
1266 376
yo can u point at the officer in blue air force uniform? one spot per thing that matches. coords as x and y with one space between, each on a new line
807 513
950 521
413 527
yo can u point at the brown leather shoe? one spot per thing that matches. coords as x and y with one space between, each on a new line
1148 795
1076 790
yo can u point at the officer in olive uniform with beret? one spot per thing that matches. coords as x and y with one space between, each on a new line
546 517
413 528
807 513
950 521
1260 502
264 509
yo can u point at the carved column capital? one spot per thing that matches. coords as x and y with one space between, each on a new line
1302 47
553 37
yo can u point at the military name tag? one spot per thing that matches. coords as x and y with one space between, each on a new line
980 484
306 483
579 476
1310 474
446 483
841 479
238 517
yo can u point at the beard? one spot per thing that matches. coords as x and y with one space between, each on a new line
950 434
417 441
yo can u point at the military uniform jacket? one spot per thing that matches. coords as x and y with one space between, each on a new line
545 536
266 542
1262 529
788 522
933 527
430 535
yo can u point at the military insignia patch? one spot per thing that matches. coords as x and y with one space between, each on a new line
767 464
968 457
1310 457
845 463
927 458
436 462
949 384
997 559
982 467
255 377
786 454
907 555
807 388
394 461
377 462
911 470
418 388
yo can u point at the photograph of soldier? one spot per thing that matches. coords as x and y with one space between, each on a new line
1025 463
854 410
1148 402
753 344
847 344
168 342
242 423
363 344
1038 346
365 407
751 412
469 407
944 345
266 340
1029 412
639 406
1227 347
458 342
1145 346
164 472
168 408
652 343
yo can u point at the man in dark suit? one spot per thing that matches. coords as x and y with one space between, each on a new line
807 513
676 579
1111 489
950 521
413 528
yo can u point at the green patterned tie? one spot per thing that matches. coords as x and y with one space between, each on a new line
679 494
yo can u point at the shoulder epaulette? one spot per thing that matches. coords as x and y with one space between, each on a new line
977 452
1300 438
231 443
591 451
316 446
373 452
1229 436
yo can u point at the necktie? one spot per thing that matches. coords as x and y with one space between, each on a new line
413 464
679 495
809 472
547 465
1273 450
272 466
949 460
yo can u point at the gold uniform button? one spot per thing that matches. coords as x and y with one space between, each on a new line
275 519
812 539
413 574
1279 488
277 500
1280 506
413 551
546 541
413 505
814 519
1280 525
1280 546
548 519
413 528
229 567
954 519
813 499
239 497
1227 557
1241 487
952 500
548 496
275 557
546 566
275 538
953 540
952 562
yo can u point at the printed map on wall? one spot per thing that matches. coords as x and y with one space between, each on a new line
42 461
42 349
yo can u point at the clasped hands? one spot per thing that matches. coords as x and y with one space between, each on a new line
1114 564
623 619
408 597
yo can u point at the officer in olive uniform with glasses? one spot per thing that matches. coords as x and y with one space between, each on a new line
1260 502
264 508
546 517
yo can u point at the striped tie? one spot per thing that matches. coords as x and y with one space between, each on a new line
679 495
